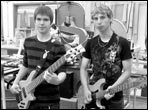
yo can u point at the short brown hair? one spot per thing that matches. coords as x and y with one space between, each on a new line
44 10
103 9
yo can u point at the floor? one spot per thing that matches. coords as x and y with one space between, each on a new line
141 99
141 103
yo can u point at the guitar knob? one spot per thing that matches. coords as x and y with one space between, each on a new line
76 49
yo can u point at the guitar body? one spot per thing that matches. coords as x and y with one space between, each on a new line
97 87
25 97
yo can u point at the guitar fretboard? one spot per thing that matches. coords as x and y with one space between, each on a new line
51 69
124 86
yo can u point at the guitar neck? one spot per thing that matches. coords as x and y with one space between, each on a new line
124 86
38 80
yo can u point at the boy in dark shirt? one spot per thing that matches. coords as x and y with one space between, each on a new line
109 55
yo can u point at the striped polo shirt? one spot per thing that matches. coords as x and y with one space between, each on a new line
33 53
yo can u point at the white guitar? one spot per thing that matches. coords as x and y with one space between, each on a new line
28 86
98 92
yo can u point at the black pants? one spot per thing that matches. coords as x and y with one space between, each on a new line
108 104
37 105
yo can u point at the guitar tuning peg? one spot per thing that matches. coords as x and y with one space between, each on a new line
76 49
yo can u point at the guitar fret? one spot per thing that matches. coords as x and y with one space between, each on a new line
58 63
119 88
51 68
115 90
56 66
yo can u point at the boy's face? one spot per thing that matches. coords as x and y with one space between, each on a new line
42 23
102 22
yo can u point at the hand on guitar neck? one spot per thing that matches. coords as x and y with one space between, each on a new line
108 96
51 78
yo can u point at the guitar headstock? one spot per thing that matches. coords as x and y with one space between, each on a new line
73 52
140 82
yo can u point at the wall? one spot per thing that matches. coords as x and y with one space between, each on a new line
10 14
133 14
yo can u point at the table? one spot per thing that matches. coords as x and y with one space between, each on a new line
3 73
138 71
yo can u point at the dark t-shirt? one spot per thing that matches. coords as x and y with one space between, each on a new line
33 53
107 59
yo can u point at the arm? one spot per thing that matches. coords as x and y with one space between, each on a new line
53 78
124 76
84 73
22 72
61 77
84 79
126 72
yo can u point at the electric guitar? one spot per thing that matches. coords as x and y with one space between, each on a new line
98 92
28 86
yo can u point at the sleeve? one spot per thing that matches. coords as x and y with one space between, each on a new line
25 63
125 50
87 53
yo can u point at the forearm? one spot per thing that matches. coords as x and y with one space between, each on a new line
125 75
84 78
61 77
22 72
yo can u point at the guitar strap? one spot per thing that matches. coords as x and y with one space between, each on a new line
41 63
